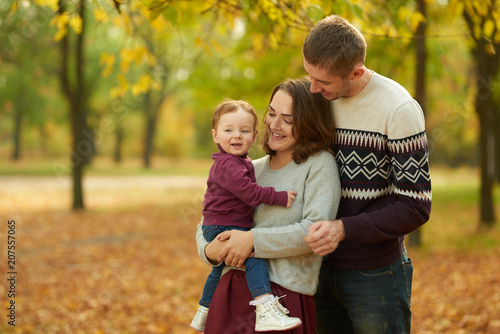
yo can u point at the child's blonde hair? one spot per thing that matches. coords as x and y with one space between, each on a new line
229 106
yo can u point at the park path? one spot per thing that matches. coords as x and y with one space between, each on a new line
39 193
40 183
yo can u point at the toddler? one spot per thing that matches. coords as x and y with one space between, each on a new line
231 196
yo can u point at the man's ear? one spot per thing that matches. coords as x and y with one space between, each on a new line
357 73
214 135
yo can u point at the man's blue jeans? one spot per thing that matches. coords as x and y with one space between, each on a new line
365 301
257 272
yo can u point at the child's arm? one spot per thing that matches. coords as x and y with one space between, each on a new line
235 178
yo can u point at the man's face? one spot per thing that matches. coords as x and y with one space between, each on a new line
332 87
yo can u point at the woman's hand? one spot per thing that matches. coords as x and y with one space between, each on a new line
213 249
238 246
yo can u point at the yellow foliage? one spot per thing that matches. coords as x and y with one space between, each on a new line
118 21
217 46
150 58
160 24
14 7
137 55
480 8
61 22
273 41
108 60
198 41
122 89
60 34
179 132
100 15
76 23
270 8
145 83
258 42
52 4
125 22
415 19
127 57
488 28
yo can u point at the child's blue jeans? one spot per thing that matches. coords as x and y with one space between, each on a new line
257 272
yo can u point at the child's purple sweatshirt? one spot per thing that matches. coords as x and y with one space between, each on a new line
233 193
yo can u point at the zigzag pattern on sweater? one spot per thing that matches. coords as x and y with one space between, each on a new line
372 166
405 145
358 138
364 194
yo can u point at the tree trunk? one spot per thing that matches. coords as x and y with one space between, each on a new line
487 58
81 149
415 238
118 143
77 98
18 117
150 126
487 67
497 142
484 108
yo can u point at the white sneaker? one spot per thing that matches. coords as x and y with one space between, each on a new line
272 316
200 318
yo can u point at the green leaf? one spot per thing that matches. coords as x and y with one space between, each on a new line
315 13
357 11
247 6
171 14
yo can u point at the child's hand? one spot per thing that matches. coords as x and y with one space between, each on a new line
291 197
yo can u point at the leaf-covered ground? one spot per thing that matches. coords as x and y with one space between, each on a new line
129 265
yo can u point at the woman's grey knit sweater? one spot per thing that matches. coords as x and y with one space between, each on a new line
279 232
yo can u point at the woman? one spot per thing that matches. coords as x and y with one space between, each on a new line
299 131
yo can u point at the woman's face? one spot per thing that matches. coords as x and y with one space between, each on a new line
279 123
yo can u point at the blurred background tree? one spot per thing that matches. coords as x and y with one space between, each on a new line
154 70
482 19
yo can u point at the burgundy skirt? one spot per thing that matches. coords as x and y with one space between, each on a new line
230 313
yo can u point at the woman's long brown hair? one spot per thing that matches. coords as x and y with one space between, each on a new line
313 124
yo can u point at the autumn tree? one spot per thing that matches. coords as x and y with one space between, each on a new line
420 82
150 26
483 22
23 33
142 65
70 19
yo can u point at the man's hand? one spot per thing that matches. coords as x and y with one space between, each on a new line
324 236
238 247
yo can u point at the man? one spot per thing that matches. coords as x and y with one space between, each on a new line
382 154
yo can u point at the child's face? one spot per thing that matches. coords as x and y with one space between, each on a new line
235 132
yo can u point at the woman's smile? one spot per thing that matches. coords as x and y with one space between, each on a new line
279 122
277 136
